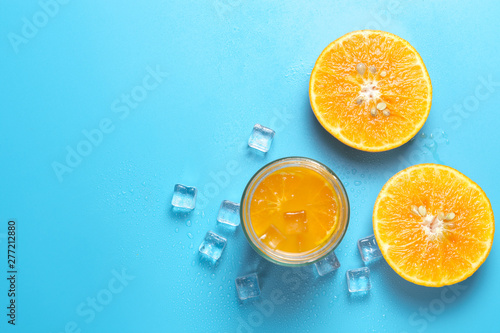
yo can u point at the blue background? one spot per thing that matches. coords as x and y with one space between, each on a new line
226 65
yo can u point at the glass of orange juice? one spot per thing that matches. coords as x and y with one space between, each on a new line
294 211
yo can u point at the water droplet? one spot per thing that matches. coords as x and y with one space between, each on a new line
357 183
176 229
445 136
433 147
190 235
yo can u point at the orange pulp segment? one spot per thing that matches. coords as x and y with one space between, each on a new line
294 210
371 90
433 225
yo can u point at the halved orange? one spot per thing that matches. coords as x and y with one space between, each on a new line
433 225
371 90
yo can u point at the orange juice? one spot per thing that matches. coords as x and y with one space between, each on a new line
294 211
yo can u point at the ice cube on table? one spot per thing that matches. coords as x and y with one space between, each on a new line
248 286
296 222
358 279
229 213
184 197
368 249
261 138
272 237
328 264
212 246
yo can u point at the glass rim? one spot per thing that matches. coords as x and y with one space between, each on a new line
290 259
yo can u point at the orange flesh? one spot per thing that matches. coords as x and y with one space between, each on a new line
294 210
343 99
430 251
